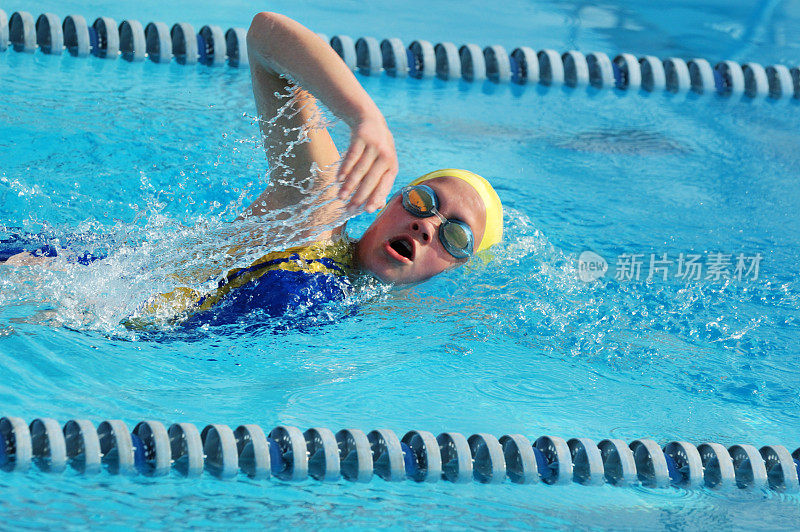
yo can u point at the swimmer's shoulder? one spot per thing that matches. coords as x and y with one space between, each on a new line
339 250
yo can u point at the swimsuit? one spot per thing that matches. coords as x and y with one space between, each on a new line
301 278
298 278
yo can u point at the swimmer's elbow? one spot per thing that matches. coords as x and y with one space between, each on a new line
263 24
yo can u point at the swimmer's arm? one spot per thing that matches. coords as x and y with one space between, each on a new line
28 259
277 46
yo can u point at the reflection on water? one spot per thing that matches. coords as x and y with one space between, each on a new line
629 141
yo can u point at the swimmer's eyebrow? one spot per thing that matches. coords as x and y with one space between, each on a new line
460 209
458 214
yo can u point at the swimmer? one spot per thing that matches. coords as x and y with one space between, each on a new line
434 224
408 242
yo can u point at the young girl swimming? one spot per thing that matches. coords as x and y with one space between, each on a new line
434 224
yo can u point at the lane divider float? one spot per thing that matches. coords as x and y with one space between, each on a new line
134 41
130 39
287 453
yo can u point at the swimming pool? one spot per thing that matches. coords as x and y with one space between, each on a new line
516 344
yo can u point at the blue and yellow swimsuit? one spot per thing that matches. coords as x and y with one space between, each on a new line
301 276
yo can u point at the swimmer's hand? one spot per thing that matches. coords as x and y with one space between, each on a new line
281 48
370 165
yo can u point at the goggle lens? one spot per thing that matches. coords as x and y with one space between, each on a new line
455 235
421 201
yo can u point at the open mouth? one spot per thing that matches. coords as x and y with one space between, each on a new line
403 247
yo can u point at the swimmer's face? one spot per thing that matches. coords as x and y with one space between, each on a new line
400 248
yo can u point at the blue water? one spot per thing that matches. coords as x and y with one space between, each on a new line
150 163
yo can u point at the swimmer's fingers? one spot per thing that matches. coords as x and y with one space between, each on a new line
369 185
372 152
356 175
350 159
378 198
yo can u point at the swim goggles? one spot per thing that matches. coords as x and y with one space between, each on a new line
455 235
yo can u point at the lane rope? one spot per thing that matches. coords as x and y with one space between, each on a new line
134 41
287 453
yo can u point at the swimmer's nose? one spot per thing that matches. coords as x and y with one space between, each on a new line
424 229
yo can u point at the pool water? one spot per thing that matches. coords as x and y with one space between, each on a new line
149 163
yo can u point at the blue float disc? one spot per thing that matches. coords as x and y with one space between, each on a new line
781 471
48 447
687 463
409 460
156 447
292 446
219 447
456 457
3 454
558 457
355 455
387 455
323 454
551 67
701 76
619 466
275 457
651 464
749 467
49 35
186 449
22 32
587 461
545 473
448 62
83 446
428 458
488 461
254 452
116 447
139 455
718 472
520 458
214 50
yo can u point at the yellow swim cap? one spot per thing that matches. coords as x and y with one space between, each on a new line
493 232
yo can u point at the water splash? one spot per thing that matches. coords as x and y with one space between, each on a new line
158 251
